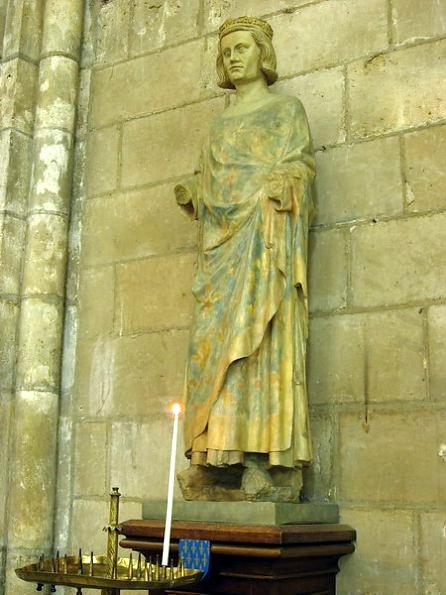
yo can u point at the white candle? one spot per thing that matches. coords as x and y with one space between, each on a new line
176 408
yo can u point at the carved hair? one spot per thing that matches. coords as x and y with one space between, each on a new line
268 63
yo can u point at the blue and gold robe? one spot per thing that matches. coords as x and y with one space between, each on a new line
245 381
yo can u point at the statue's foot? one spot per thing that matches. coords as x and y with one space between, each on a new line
200 482
278 484
255 482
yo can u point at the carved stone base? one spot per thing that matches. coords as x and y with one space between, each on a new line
254 483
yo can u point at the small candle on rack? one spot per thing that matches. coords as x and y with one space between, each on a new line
176 409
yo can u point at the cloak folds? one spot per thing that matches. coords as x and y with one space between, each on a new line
245 380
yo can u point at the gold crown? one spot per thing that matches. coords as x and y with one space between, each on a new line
245 24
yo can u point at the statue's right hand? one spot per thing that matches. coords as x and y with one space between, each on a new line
182 194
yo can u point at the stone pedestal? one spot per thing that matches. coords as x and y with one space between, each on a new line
254 559
249 513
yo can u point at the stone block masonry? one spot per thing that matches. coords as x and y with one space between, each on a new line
179 134
399 261
371 75
397 91
425 176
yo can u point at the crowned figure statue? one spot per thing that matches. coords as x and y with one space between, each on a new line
246 426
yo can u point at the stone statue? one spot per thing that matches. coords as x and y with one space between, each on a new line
246 417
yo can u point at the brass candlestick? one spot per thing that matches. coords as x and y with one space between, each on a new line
108 573
113 531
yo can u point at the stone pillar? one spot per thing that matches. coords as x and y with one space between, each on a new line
20 39
33 447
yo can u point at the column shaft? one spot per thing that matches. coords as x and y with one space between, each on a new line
40 335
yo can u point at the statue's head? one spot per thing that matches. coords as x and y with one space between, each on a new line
242 32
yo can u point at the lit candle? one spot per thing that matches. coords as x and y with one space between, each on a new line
176 408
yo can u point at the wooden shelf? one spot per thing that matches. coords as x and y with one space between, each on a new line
255 559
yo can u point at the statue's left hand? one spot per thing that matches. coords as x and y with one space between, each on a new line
284 189
275 185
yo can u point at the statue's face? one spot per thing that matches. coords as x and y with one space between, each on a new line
241 57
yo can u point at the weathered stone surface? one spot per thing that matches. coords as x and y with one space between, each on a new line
257 513
404 89
217 11
318 477
23 29
134 445
113 89
46 249
15 165
18 80
165 145
34 416
208 72
90 445
74 251
5 424
40 332
336 359
155 24
65 443
2 566
425 173
3 7
63 26
399 261
89 518
146 229
87 521
401 449
109 23
321 94
327 270
102 161
132 376
378 356
88 51
13 584
343 25
83 102
96 298
437 351
252 483
383 561
9 313
70 336
433 552
51 181
58 83
12 236
78 191
5 143
359 181
165 285
412 23
394 356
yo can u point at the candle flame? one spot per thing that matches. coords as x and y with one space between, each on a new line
176 408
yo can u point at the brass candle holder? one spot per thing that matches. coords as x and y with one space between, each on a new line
108 573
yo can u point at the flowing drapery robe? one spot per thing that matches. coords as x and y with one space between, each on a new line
245 380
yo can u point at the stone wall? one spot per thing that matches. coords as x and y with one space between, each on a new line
371 74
